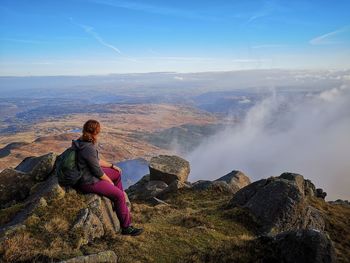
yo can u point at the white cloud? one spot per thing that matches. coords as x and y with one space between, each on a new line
90 31
311 137
330 38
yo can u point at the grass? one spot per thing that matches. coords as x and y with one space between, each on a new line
194 227
46 234
8 213
193 222
337 219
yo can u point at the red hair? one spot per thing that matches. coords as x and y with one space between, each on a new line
90 130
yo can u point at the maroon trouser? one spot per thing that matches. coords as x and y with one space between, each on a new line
114 192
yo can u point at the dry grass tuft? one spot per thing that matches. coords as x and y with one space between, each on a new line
337 219
8 213
21 247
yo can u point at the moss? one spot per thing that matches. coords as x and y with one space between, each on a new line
8 213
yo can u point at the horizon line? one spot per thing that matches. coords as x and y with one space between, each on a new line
175 72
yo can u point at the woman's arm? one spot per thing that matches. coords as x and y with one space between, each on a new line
106 178
104 163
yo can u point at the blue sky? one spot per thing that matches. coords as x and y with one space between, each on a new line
80 37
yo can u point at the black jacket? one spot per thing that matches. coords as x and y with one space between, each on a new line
88 162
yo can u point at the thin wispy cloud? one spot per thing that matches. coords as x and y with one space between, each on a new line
267 9
155 9
330 38
90 30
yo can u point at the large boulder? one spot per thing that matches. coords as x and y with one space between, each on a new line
235 179
96 220
168 168
39 167
167 174
230 182
145 189
16 184
279 204
308 246
14 187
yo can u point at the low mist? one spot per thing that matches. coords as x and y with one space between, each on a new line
309 135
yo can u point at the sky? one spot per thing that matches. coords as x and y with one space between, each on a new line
84 37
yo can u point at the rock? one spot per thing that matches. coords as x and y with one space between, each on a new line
202 185
218 186
14 187
309 246
103 208
320 193
157 201
235 179
145 189
174 187
229 183
278 204
340 202
309 188
90 226
102 257
38 167
296 178
221 186
168 168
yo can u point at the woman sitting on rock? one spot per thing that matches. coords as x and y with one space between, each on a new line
101 177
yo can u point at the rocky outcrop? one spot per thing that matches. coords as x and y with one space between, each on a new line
168 168
235 179
340 202
16 184
230 182
38 167
308 246
102 257
96 220
280 204
167 174
43 204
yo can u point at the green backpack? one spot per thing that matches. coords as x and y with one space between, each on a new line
67 170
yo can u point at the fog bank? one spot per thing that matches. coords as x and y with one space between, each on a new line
309 135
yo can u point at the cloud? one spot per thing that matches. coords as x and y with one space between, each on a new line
90 31
267 9
308 135
330 38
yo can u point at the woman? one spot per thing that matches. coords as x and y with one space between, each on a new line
101 177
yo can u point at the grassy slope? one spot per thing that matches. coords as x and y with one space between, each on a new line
193 228
194 222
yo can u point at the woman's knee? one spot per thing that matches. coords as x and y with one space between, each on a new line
118 195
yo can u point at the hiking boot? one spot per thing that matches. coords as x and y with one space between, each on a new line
132 231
